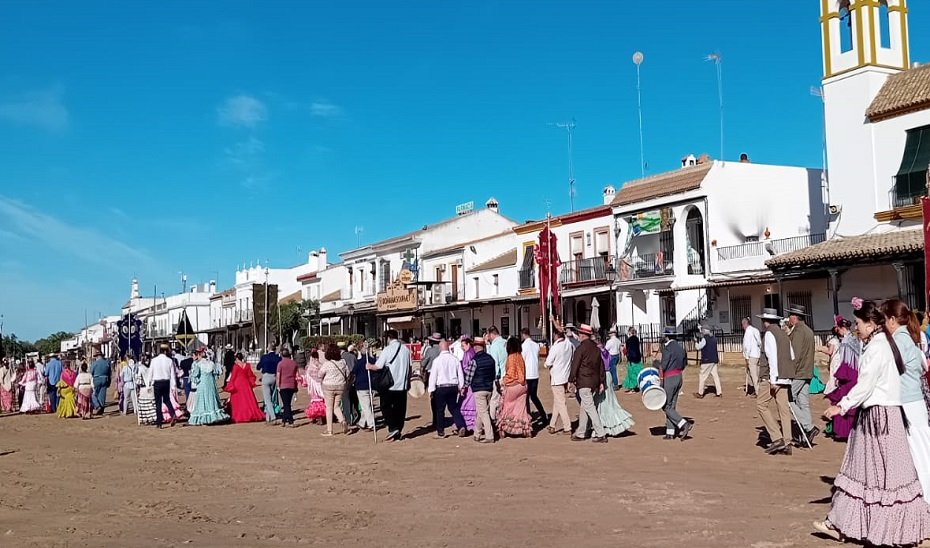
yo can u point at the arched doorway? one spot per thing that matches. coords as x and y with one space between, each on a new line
694 233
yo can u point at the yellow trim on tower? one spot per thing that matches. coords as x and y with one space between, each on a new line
873 36
859 35
906 57
827 52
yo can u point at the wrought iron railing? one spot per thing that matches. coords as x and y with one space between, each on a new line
527 278
650 265
769 247
596 269
907 189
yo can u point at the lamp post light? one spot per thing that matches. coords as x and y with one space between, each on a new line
611 274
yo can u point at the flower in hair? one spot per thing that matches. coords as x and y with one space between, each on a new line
857 303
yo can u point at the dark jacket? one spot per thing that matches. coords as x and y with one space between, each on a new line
588 367
785 365
634 351
802 340
673 358
361 373
709 352
482 373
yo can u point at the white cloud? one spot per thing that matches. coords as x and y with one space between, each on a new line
242 111
325 109
43 109
87 244
245 153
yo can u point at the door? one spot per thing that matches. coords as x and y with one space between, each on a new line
455 327
455 282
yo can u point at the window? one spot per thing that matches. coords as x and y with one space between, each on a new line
740 307
497 285
802 298
477 284
884 24
846 38
602 241
438 277
910 183
385 278
576 246
528 267
475 327
773 301
505 327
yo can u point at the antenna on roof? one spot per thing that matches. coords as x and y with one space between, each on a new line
638 60
569 128
718 62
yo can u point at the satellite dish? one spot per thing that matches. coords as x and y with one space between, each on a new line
638 58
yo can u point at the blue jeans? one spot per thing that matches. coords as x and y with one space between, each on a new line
612 366
268 384
187 387
99 398
53 397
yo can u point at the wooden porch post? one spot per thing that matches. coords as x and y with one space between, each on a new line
835 289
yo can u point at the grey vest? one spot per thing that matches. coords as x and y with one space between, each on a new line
783 346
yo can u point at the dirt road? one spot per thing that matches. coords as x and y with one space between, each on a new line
107 482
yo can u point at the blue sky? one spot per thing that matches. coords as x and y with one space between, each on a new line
194 136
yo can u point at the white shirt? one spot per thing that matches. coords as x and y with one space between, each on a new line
447 370
399 365
162 368
531 358
879 382
613 345
771 354
752 343
559 361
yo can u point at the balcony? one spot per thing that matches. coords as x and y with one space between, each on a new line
907 189
587 271
768 247
528 278
651 265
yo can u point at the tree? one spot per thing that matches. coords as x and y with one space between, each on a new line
13 347
292 318
52 343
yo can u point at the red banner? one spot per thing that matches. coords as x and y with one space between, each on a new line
925 208
547 263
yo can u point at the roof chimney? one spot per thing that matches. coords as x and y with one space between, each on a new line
492 204
744 159
609 194
134 292
703 159
313 260
688 161
322 264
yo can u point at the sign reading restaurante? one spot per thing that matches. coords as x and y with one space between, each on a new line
397 297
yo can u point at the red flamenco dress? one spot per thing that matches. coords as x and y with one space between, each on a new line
242 402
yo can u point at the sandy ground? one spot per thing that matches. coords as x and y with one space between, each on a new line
108 482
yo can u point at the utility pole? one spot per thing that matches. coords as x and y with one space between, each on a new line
638 60
569 128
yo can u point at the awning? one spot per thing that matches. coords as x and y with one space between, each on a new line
721 283
329 321
911 179
401 319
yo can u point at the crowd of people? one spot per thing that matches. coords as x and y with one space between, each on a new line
877 387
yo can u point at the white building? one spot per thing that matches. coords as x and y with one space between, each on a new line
692 243
877 116
99 335
162 314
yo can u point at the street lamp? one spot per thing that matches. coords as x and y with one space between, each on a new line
611 274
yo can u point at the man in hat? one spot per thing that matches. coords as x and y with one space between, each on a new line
481 377
613 346
589 376
429 354
802 342
100 371
776 367
710 358
396 358
571 334
229 360
670 359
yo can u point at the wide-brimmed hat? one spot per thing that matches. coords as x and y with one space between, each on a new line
478 341
435 337
769 314
796 310
229 347
585 329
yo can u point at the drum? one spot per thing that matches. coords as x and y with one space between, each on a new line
650 386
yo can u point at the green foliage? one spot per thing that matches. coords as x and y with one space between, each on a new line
52 343
317 340
13 347
293 318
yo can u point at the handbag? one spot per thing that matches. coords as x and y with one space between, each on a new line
382 379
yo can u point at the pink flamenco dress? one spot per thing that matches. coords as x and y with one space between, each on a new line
316 410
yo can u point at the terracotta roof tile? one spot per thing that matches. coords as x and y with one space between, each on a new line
664 184
839 249
901 93
508 258
332 297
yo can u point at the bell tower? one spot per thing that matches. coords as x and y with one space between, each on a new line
863 33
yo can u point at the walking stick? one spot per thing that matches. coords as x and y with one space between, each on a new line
371 404
800 427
